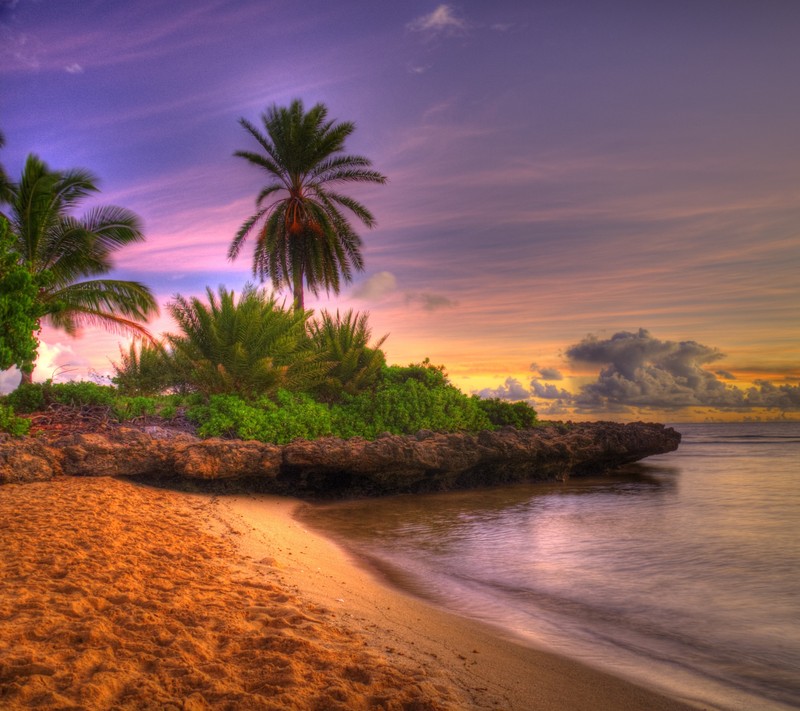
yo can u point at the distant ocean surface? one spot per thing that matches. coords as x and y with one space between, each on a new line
682 571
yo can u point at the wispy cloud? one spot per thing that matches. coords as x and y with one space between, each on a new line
376 287
442 21
429 301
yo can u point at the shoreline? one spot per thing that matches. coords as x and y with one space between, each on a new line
121 595
490 669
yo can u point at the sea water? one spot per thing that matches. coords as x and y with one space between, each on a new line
681 572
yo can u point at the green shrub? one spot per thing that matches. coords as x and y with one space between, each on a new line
79 393
9 422
291 416
502 413
405 406
28 397
34 397
127 408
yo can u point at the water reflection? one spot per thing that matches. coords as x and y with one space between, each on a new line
382 519
676 569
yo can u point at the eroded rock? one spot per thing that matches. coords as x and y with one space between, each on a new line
427 461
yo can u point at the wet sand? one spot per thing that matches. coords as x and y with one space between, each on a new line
119 596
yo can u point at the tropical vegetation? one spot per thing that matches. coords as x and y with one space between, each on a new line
245 365
61 251
19 310
304 238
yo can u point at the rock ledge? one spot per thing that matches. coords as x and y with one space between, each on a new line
331 467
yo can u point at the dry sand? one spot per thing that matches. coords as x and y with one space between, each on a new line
118 596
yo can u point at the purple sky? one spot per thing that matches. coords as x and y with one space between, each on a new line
561 175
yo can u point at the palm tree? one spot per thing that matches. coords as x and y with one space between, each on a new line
61 250
251 346
303 234
343 340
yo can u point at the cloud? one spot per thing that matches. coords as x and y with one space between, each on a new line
418 68
430 302
725 375
642 371
548 391
780 397
74 68
9 379
377 286
441 21
547 373
512 389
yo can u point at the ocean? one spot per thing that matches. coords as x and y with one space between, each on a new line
681 572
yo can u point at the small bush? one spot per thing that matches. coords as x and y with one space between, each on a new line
405 406
80 393
502 413
28 397
127 408
9 422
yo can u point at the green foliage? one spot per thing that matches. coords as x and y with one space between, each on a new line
28 397
432 376
128 408
502 413
10 423
294 415
33 397
408 400
304 235
60 251
146 370
343 341
250 347
19 310
80 393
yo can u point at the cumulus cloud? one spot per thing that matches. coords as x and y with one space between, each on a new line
442 20
430 302
512 389
639 370
548 391
725 375
377 286
780 397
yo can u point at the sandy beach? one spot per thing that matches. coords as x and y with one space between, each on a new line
120 596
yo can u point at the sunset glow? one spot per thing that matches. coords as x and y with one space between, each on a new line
593 208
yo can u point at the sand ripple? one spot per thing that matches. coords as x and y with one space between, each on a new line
116 596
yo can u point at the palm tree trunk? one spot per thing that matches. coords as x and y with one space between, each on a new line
297 290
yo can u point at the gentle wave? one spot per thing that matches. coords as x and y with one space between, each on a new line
681 571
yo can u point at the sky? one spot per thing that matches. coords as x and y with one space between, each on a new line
591 206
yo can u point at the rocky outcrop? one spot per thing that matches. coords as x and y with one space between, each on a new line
328 467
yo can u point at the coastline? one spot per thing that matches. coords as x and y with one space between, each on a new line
118 595
489 670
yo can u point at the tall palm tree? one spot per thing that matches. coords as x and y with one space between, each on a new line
304 238
61 250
